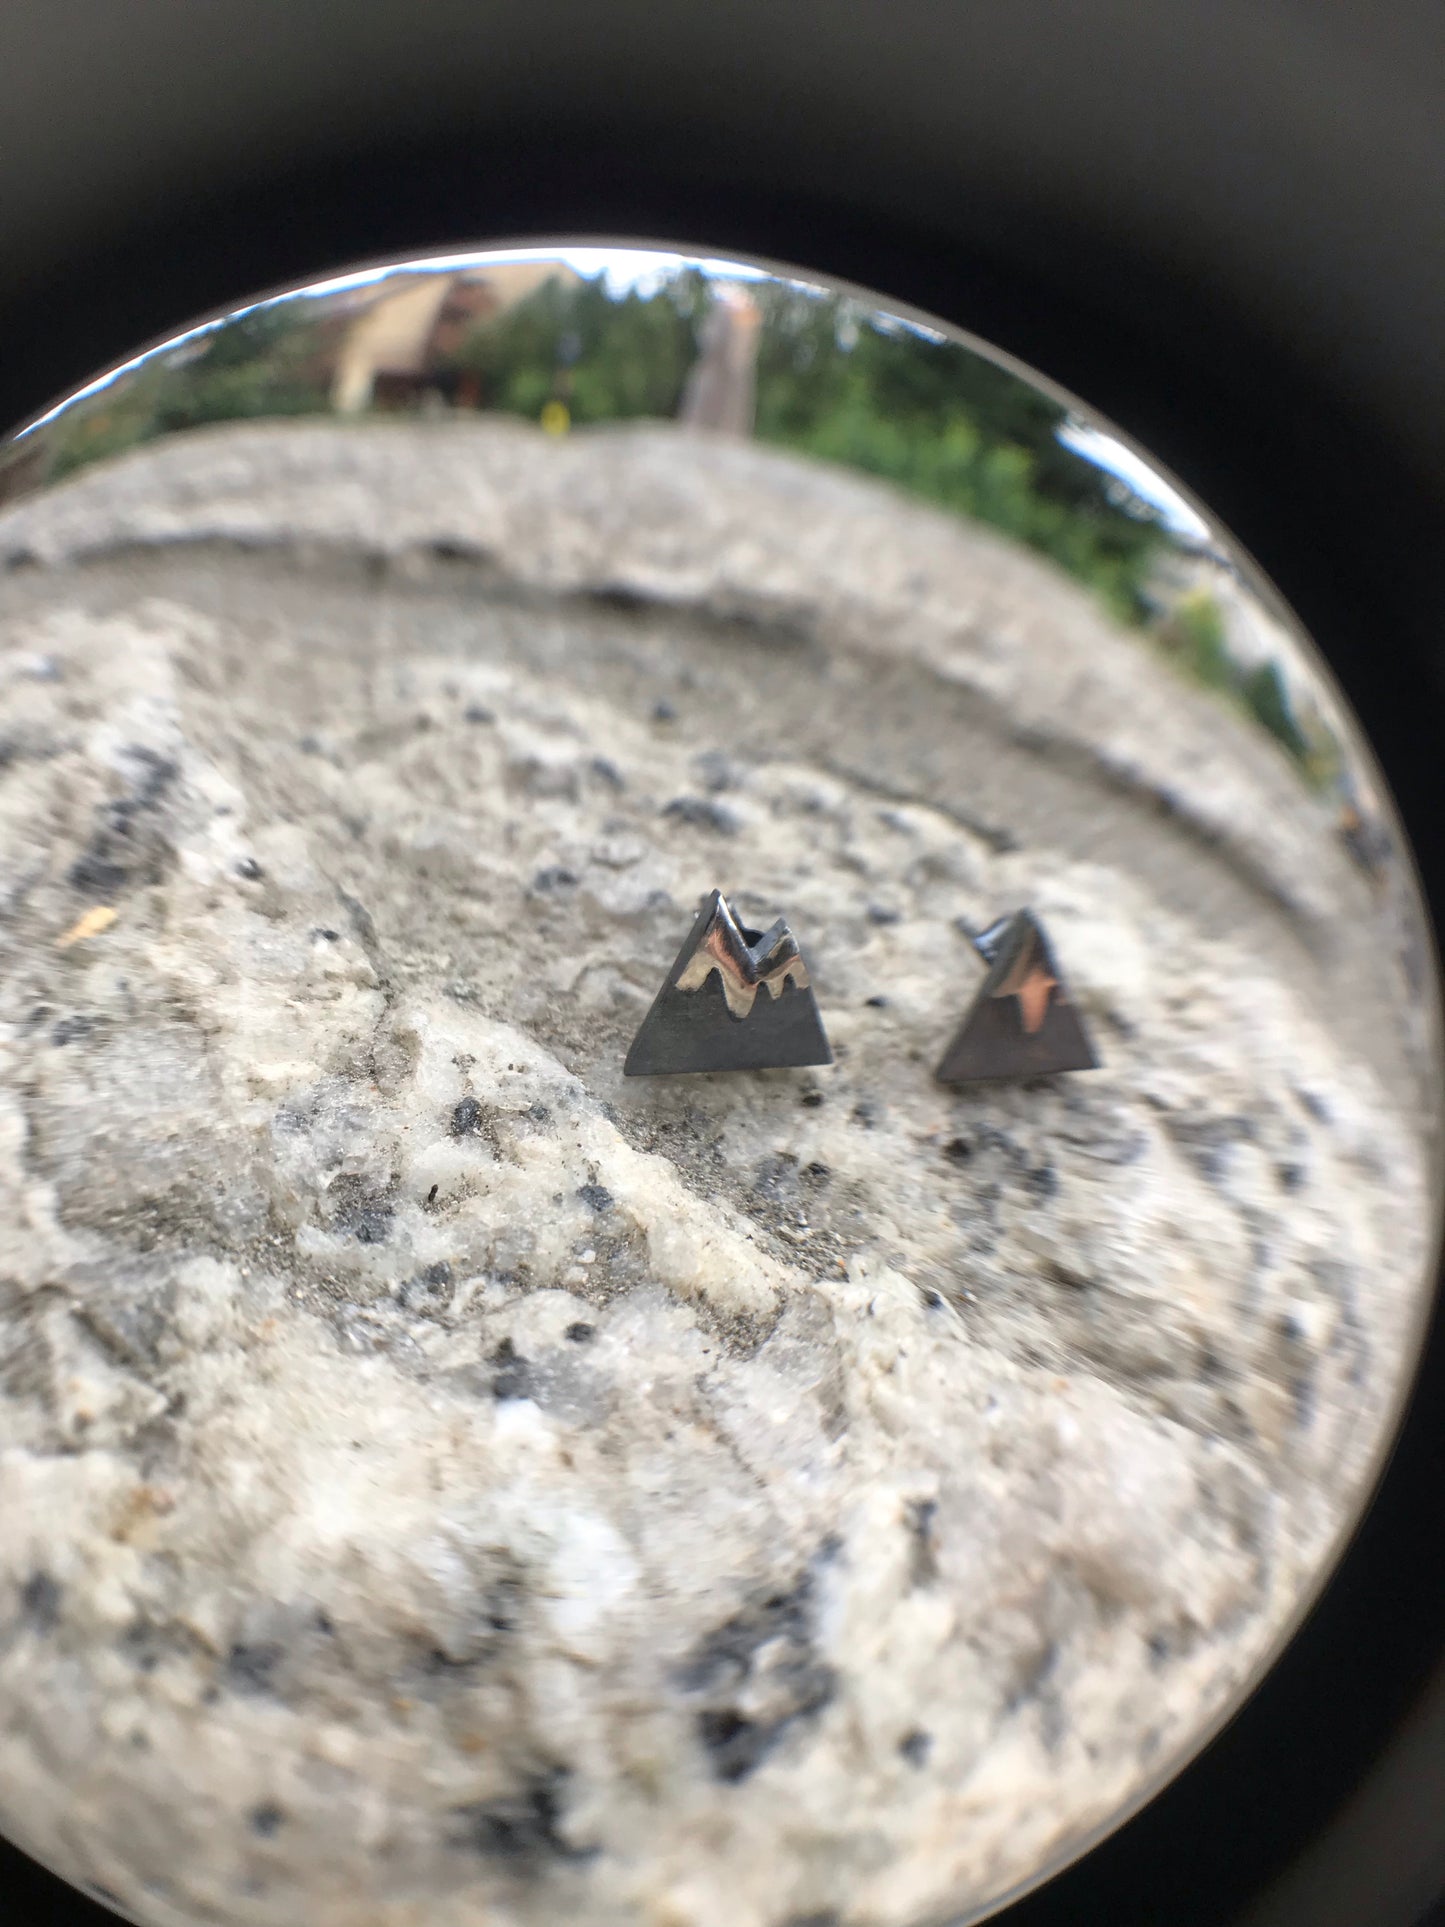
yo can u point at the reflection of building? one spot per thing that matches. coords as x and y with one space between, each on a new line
396 349
721 391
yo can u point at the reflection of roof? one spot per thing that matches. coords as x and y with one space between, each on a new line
395 333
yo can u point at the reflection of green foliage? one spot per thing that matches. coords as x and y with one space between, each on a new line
610 360
260 364
833 382
1192 635
1267 700
952 427
948 426
256 365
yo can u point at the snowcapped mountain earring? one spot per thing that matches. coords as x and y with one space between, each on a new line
1022 1023
735 1000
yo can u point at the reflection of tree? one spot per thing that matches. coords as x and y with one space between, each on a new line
950 426
830 382
1193 636
816 372
268 362
609 358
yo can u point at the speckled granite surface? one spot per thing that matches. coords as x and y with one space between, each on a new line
442 1481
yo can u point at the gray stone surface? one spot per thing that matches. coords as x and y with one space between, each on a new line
441 1480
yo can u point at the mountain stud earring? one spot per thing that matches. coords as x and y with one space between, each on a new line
1022 1023
734 1000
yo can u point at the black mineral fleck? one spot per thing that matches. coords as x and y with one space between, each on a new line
512 1377
40 1602
702 813
522 1828
797 1684
251 1668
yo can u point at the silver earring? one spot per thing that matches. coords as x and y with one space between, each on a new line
735 1000
1022 1023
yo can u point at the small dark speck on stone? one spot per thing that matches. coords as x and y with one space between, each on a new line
716 769
249 868
479 713
735 1743
817 1173
812 1099
607 770
865 1114
267 1819
69 1029
521 1827
329 936
96 875
880 913
555 877
1289 1176
702 813
916 1746
40 1601
466 1118
513 1377
429 1290
877 1003
958 1149
664 712
431 1196
251 1668
933 1300
580 1332
1043 1181
370 1225
596 1196
309 746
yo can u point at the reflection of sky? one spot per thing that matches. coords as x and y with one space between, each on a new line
1139 476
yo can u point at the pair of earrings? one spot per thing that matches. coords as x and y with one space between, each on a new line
740 1000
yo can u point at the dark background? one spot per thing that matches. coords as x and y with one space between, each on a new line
1223 225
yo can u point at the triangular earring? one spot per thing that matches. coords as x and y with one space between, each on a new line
1022 1022
734 1000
